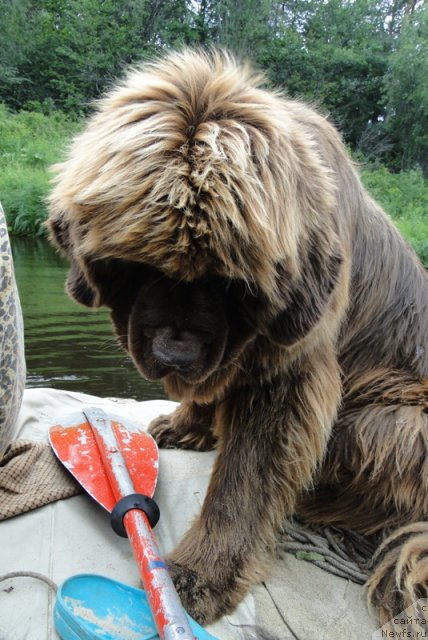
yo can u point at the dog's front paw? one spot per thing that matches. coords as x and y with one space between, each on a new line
164 433
201 599
170 436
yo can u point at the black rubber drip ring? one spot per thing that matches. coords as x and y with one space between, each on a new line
133 501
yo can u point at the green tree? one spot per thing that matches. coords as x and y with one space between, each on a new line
70 50
407 92
349 49
364 62
18 20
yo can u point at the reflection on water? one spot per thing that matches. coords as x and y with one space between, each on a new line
68 346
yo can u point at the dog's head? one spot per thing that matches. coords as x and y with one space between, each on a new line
196 205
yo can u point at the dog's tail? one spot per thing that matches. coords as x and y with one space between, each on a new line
400 577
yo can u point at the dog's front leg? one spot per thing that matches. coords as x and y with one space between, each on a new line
272 436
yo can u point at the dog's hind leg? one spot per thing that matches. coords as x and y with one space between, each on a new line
375 478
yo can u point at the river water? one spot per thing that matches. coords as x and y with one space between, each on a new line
68 346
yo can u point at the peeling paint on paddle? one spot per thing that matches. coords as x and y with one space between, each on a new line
112 463
76 447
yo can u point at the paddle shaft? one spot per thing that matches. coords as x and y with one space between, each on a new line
168 613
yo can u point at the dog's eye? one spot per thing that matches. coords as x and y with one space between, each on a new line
204 336
149 332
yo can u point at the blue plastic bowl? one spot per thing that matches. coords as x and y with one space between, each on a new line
89 607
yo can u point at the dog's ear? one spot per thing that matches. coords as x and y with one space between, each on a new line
77 284
106 282
59 233
306 296
79 288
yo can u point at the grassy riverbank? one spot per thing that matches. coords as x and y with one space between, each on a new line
30 142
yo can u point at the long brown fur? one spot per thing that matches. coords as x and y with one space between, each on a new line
246 266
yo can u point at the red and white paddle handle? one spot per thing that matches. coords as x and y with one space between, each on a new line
168 613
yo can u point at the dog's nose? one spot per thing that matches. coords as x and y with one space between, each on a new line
178 351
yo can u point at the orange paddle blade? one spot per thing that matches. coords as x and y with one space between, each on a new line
76 448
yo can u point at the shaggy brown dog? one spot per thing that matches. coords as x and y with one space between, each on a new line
246 267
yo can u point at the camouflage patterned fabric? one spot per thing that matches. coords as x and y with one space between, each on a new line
12 361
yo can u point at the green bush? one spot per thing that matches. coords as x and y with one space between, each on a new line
29 143
404 196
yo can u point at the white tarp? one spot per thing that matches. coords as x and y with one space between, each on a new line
73 536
